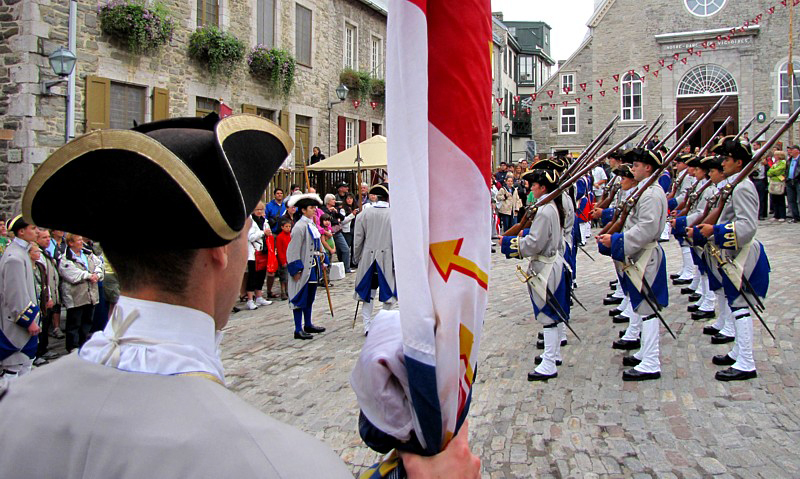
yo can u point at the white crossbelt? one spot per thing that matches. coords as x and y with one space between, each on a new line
635 270
734 269
538 281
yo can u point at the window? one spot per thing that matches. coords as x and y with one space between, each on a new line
783 89
377 57
204 106
525 68
376 129
127 105
569 120
631 97
568 82
207 13
505 60
265 23
302 35
704 8
350 132
707 80
266 113
350 46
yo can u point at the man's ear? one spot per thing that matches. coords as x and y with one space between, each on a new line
219 256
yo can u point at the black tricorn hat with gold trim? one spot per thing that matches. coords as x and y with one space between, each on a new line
380 189
642 155
737 149
193 180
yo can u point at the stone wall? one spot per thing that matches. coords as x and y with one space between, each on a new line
33 125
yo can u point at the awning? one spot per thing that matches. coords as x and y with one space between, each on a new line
373 154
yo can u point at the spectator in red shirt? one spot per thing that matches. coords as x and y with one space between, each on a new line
281 244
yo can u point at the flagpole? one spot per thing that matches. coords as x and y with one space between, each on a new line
790 69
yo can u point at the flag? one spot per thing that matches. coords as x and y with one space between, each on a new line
224 110
438 55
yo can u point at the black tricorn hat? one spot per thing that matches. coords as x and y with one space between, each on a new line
738 149
561 153
545 177
624 170
709 162
695 162
196 177
553 164
15 223
381 189
642 155
684 158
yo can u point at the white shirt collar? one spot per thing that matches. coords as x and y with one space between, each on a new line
22 243
380 204
172 340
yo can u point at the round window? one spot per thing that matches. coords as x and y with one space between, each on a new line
704 8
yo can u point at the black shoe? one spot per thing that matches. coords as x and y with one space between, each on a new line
692 308
710 330
687 291
614 312
538 360
534 376
663 240
40 362
619 319
674 276
626 345
235 310
723 360
630 361
611 300
694 297
720 338
314 329
50 355
634 375
681 282
622 333
613 284
700 314
732 374
302 335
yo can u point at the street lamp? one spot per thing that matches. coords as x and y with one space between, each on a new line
341 94
62 61
507 153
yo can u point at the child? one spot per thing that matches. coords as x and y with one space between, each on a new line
281 244
327 242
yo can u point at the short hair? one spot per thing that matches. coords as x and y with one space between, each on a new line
503 163
276 190
167 270
325 217
328 197
780 155
70 237
284 221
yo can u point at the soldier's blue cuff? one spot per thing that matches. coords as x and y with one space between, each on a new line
697 237
603 249
665 182
725 236
679 230
618 246
294 267
526 231
672 204
606 216
509 246
28 316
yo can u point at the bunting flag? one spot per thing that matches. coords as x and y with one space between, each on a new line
439 55
224 110
550 93
533 96
356 103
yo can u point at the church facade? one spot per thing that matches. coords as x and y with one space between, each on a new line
644 58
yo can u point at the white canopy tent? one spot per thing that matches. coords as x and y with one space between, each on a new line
373 154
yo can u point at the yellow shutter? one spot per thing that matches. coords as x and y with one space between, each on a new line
98 103
251 109
284 120
160 104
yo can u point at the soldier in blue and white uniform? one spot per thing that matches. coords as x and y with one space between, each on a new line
685 181
742 264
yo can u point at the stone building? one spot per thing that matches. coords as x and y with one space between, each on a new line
505 51
670 57
111 87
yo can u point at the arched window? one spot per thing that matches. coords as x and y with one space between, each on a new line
707 80
704 8
631 97
783 89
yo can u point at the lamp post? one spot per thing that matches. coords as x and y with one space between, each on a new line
62 61
507 152
341 94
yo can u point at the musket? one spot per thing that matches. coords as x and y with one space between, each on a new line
356 315
357 189
743 130
321 264
530 211
646 136
677 184
617 223
675 130
593 143
691 199
585 252
764 130
575 298
654 305
710 142
550 300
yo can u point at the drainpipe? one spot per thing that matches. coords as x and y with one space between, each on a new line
69 130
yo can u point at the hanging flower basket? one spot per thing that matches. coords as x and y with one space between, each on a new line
358 83
220 51
140 27
378 87
273 67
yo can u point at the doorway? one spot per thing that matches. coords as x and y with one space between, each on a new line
703 104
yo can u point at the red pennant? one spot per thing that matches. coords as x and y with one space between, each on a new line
567 90
550 93
699 53
578 101
784 2
373 104
719 38
224 110
771 10
533 96
552 106
499 100
503 113
691 51
565 103
713 46
646 68
616 78
746 24
602 93
676 56
684 60
590 97
733 30
705 44
670 66
742 29
528 111
514 112
600 82
642 79
516 99
728 37
356 103
656 72
583 86
661 62
631 72
540 108
616 89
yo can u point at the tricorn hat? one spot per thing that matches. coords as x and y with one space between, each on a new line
739 150
684 158
695 162
15 223
709 162
642 155
381 189
545 177
199 176
561 153
303 200
624 170
554 164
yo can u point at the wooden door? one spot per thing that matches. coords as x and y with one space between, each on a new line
702 105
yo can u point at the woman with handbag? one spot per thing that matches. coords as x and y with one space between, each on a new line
257 270
777 188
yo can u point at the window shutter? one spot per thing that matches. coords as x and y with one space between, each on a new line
98 103
251 109
284 120
362 130
160 104
342 131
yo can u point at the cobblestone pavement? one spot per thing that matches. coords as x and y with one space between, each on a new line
587 422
